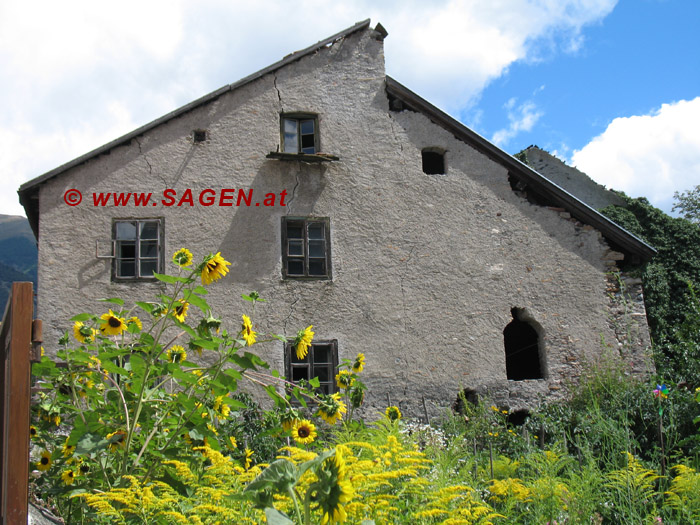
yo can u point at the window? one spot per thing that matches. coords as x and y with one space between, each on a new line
320 362
524 358
138 248
433 161
306 248
300 134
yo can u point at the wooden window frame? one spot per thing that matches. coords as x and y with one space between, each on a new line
299 118
304 222
159 258
310 364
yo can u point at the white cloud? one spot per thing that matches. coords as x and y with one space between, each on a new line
521 118
65 66
647 155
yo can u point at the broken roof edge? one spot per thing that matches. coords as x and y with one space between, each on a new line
27 189
617 235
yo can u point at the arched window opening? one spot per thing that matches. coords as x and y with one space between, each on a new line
524 359
433 161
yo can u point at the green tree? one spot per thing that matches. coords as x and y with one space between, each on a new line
688 203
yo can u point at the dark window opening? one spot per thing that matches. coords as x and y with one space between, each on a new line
321 362
306 248
522 345
517 418
467 395
433 162
199 135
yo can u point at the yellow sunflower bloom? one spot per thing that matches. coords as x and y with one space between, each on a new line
331 408
68 449
393 413
116 440
44 462
331 501
215 267
304 432
33 432
222 409
359 363
180 310
344 379
176 354
248 454
231 443
83 334
247 331
303 341
182 257
68 477
113 324
136 321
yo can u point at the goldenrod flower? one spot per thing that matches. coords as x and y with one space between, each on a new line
180 310
135 320
176 354
231 443
214 267
182 257
68 477
247 331
359 363
393 413
331 408
113 324
344 379
304 432
303 341
83 334
44 462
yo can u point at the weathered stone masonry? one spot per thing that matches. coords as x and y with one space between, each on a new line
427 270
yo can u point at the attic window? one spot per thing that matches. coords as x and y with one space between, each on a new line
433 161
199 135
524 356
300 133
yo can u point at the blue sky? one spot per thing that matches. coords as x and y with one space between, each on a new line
610 86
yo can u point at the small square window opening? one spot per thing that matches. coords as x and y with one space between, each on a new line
199 135
433 162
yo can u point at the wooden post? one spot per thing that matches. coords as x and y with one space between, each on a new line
15 347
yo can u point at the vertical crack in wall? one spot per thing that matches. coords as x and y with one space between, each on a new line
289 315
279 95
150 167
294 191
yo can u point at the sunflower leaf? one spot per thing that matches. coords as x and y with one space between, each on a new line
200 303
81 317
148 307
275 517
170 279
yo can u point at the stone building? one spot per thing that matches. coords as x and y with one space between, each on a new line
363 210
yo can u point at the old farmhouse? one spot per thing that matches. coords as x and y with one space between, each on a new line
391 227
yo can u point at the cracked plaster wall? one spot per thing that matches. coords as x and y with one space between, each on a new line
426 268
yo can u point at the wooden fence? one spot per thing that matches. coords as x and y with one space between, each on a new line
20 340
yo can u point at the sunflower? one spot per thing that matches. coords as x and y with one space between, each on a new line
116 440
176 354
289 418
304 432
213 268
344 379
83 334
113 324
44 462
393 413
333 489
303 341
359 363
331 408
182 257
33 432
180 310
134 321
222 409
247 330
248 454
68 476
68 449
